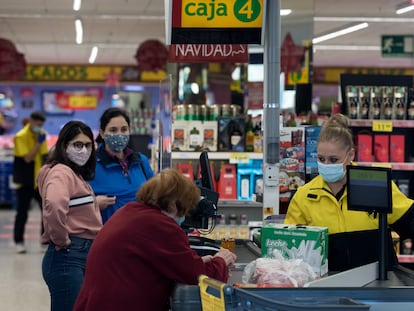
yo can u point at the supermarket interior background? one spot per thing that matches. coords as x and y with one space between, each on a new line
43 67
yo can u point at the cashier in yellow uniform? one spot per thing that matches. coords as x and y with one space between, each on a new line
353 235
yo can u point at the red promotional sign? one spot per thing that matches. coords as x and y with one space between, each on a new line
255 100
204 53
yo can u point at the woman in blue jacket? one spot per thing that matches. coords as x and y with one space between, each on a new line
120 171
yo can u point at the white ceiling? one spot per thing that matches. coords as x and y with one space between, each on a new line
43 30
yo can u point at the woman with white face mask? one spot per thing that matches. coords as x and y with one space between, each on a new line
353 235
120 171
71 214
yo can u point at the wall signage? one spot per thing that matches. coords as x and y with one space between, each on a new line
204 53
397 46
215 21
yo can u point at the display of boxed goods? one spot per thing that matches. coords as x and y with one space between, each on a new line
186 169
249 179
381 148
308 243
195 135
209 135
397 149
179 136
227 183
364 147
311 155
292 161
231 134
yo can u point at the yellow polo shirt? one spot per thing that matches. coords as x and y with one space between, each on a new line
24 141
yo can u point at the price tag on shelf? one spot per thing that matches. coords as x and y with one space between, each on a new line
379 164
241 157
381 126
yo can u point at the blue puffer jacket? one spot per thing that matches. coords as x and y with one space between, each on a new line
111 180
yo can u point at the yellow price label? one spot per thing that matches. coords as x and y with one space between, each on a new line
381 126
82 102
235 158
386 165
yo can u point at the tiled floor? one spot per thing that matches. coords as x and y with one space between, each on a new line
21 284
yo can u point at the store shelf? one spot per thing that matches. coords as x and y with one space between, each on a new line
395 123
238 203
405 258
212 155
403 166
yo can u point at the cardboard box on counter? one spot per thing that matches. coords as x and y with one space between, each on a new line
308 243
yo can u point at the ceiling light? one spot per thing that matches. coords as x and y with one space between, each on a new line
94 53
321 47
406 7
360 19
338 33
284 12
77 5
79 31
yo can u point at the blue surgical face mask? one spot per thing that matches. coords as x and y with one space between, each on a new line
117 142
180 220
331 172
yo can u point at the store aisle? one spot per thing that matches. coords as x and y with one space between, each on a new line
21 284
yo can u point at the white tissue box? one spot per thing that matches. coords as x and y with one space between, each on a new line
308 243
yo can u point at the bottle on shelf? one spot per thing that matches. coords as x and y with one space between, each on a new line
235 136
258 138
249 134
292 120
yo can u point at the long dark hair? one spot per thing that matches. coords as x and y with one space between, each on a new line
107 116
58 155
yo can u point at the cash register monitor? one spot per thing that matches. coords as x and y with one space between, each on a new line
207 207
369 189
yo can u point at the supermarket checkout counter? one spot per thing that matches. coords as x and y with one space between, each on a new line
362 288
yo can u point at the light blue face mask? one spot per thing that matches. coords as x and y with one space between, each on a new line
36 129
332 172
180 220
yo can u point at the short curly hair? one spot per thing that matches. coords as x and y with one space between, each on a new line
169 189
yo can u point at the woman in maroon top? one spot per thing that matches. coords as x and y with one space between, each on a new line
141 252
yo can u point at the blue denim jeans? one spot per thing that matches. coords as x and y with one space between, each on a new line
63 272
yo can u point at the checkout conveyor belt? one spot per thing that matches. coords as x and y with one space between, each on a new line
396 292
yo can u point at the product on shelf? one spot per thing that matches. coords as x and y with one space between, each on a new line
397 148
376 103
364 147
388 102
381 148
400 101
179 136
231 134
364 102
227 187
353 101
249 134
186 169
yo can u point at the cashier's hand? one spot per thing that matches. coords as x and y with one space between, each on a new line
104 201
228 256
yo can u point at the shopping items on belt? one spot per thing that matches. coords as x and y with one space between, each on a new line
309 243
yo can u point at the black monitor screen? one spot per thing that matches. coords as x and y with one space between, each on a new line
205 172
369 189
